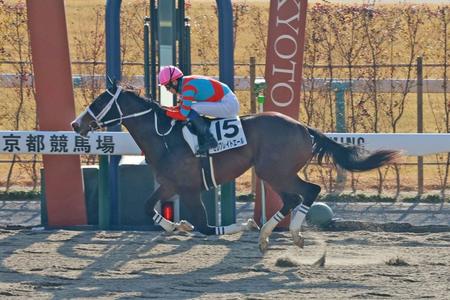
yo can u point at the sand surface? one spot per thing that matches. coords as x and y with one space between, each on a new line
58 264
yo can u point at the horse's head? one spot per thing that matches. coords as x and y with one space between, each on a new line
103 111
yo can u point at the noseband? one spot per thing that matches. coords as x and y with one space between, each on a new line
114 100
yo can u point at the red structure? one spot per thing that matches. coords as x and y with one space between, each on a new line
56 109
283 74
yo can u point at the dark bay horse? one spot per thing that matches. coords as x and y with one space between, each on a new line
277 146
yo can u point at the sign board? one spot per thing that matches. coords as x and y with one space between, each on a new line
121 143
67 142
284 60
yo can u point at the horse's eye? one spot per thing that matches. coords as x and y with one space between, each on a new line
93 125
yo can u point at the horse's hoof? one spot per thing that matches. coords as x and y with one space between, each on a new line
298 239
168 233
251 225
263 245
184 226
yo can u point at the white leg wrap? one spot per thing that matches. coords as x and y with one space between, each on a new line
298 216
235 228
272 223
164 223
230 229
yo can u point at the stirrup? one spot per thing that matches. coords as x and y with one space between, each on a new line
203 150
201 154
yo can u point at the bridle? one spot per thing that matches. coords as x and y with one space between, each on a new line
97 118
114 101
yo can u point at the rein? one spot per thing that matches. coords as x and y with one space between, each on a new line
172 124
114 100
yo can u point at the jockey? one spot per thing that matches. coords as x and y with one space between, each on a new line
199 95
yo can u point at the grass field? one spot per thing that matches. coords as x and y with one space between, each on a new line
336 35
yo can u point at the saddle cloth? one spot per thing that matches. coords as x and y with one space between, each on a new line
228 133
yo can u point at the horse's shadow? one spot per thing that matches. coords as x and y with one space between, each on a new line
129 264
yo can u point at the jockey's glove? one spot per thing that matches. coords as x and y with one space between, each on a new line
175 113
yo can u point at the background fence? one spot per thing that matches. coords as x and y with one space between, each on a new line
374 47
322 95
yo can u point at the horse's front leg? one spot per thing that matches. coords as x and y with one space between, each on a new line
200 220
164 192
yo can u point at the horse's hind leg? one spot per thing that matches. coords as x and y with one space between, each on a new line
309 192
289 202
292 189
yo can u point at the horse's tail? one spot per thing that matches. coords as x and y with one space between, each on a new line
350 157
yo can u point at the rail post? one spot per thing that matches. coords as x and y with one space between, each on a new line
339 88
253 107
419 122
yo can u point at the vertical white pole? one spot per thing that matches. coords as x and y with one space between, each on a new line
263 191
166 18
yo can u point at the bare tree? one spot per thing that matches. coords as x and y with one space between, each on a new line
14 34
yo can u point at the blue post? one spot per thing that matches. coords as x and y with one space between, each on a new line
226 47
113 63
226 75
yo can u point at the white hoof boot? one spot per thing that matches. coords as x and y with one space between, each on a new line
184 226
298 238
266 230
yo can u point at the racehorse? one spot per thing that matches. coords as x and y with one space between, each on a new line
277 146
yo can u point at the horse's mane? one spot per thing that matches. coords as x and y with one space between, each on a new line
148 102
160 111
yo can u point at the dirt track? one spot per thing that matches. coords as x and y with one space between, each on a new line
111 265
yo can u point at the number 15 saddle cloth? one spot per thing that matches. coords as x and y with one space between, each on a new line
229 135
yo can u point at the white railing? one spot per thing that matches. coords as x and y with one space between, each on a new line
242 83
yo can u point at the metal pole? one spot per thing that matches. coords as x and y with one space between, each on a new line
252 85
167 44
180 33
153 35
253 108
147 56
419 122
187 32
226 75
113 70
261 99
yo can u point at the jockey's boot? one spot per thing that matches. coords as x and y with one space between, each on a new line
206 140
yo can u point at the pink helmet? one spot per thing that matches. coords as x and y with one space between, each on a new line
169 73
